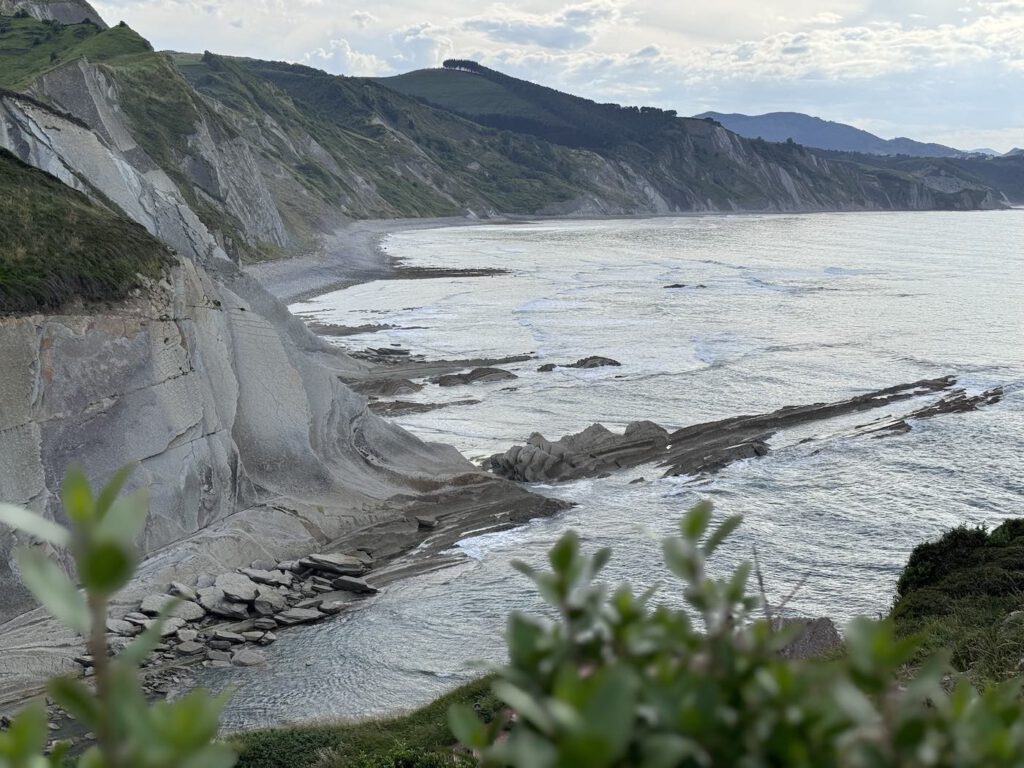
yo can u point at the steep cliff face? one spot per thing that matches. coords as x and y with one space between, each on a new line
232 410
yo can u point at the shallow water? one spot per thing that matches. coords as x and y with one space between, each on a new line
796 309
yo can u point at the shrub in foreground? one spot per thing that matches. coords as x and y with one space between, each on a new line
616 681
130 733
965 592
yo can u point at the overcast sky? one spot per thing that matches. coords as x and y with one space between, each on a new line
935 70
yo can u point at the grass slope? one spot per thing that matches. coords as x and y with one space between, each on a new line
965 592
29 48
466 93
417 740
56 245
421 162
507 103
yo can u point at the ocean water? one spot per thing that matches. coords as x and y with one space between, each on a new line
789 309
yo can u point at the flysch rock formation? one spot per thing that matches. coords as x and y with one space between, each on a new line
233 412
707 448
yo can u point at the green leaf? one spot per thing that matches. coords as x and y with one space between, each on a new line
723 532
28 733
696 521
77 496
111 490
74 697
601 558
106 566
466 726
126 518
54 589
564 552
524 704
34 525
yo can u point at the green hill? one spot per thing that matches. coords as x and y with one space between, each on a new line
56 245
30 48
507 103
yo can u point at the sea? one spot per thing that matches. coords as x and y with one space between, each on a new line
775 310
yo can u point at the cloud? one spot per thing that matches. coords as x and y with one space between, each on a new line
363 19
573 26
421 45
339 56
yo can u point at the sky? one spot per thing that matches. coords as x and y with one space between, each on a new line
950 71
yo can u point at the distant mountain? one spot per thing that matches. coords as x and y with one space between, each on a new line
984 151
1015 152
824 134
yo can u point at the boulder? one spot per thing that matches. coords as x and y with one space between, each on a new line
248 657
268 638
268 602
214 601
264 623
123 628
187 635
272 577
263 565
331 607
547 368
185 609
237 587
225 635
253 637
183 591
190 648
214 655
171 626
345 565
354 584
298 616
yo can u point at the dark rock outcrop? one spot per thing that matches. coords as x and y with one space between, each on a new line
708 447
592 452
477 375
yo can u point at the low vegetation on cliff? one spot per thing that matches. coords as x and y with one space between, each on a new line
57 245
965 592
29 48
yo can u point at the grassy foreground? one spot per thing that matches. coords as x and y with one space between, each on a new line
420 739
57 245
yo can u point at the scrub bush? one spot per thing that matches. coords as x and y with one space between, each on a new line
616 680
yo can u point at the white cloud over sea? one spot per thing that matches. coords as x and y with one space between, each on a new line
936 70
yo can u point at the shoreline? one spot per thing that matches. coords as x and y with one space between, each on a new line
352 254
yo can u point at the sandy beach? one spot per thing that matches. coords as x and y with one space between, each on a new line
350 255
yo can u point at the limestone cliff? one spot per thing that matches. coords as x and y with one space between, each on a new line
233 411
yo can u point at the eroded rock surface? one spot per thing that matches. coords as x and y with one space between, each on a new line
477 375
708 447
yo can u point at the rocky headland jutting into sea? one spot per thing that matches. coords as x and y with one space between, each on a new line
247 427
